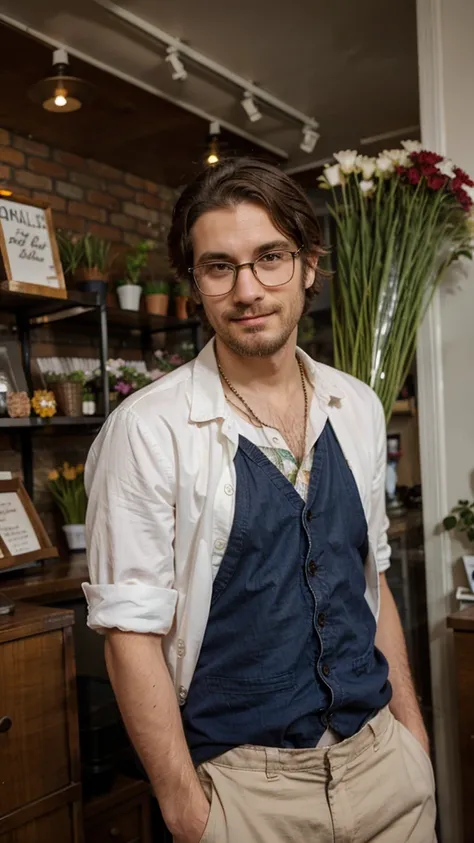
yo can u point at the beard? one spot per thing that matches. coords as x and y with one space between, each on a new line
258 341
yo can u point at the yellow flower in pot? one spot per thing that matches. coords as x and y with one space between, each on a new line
157 294
66 484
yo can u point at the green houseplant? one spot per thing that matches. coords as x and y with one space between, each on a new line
157 295
129 287
183 292
85 258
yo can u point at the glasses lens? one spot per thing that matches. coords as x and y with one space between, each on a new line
275 268
214 279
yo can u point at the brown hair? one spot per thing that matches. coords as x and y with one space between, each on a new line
237 180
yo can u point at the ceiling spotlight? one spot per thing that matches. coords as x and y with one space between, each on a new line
251 110
310 139
61 93
179 71
213 151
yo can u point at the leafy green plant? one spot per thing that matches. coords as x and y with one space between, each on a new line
77 376
71 248
183 288
96 253
461 518
156 288
135 263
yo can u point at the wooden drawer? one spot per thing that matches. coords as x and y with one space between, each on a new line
34 753
125 827
56 827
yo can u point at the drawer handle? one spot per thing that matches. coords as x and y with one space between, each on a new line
5 724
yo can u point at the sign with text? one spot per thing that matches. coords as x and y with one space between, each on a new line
23 538
29 249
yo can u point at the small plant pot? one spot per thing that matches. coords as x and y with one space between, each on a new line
129 296
157 303
75 536
69 398
91 280
182 307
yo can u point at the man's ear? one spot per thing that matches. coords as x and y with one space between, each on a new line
311 271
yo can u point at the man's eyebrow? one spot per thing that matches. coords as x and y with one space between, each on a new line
206 257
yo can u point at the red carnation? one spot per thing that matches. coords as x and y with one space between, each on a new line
414 175
463 177
464 200
429 158
436 182
428 170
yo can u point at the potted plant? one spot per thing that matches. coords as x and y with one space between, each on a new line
66 485
86 259
128 288
461 518
157 295
68 389
183 292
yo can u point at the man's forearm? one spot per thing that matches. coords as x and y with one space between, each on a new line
150 711
391 641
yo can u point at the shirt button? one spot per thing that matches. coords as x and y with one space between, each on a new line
182 695
228 489
275 440
181 648
321 619
312 568
325 670
219 544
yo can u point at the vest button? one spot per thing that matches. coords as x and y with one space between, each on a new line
309 515
326 670
321 619
312 567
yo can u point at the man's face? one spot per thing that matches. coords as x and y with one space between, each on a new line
251 320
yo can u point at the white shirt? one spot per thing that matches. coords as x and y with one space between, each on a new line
161 484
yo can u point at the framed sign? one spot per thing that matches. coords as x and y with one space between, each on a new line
23 538
29 249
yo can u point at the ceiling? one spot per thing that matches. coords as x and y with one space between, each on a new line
352 66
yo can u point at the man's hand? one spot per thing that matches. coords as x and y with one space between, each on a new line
189 827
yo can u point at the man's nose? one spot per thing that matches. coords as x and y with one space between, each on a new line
247 289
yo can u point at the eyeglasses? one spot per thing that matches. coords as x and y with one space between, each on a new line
217 278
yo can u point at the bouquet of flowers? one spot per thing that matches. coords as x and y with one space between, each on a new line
66 484
401 219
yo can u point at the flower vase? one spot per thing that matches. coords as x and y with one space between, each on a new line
129 296
75 536
157 303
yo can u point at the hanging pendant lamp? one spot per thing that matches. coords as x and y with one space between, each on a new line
61 93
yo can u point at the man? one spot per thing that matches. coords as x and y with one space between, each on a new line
237 548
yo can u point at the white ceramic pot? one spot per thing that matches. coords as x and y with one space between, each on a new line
129 296
76 536
88 408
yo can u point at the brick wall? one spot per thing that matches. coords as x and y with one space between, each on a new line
86 195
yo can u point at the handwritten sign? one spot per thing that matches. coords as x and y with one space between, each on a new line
15 527
23 538
29 249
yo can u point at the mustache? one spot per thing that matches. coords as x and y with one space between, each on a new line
248 313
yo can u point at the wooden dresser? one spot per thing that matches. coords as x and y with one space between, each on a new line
40 791
462 623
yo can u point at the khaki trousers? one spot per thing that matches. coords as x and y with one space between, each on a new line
377 786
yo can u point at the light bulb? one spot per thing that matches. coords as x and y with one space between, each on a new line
59 97
212 158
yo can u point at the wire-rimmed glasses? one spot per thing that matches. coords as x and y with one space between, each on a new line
273 269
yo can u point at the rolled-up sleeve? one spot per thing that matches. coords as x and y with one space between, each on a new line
130 528
379 522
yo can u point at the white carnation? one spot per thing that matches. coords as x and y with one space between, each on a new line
333 175
347 159
446 167
385 165
412 146
367 186
366 166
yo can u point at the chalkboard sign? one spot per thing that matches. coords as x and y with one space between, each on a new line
29 249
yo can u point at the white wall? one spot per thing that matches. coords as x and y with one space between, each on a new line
446 369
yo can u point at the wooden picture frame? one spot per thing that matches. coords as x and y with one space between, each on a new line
28 532
29 249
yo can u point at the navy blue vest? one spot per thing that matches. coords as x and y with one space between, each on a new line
289 645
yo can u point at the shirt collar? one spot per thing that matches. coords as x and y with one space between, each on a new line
208 400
